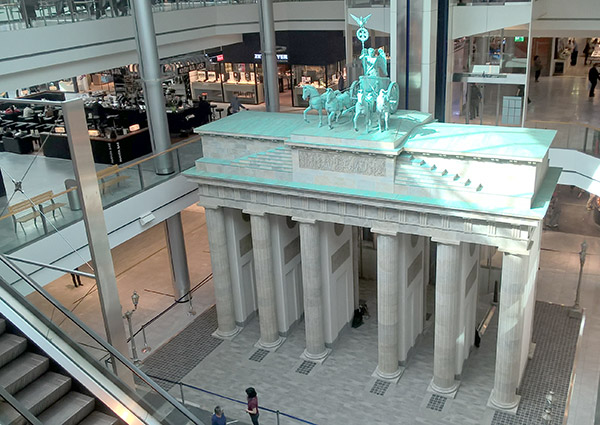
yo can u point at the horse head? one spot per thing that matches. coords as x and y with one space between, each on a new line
308 91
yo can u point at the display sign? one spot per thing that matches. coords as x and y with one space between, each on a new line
220 58
281 57
182 70
519 39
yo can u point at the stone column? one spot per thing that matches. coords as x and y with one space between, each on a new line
510 329
447 295
265 282
312 285
180 273
388 287
219 259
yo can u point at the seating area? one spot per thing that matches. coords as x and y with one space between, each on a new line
28 210
109 177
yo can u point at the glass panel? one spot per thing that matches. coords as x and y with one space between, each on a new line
59 325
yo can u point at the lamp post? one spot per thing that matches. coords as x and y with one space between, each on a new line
135 299
576 311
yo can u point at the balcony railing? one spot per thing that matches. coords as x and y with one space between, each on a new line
38 216
20 14
572 135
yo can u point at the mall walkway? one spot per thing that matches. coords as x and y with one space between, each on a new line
141 264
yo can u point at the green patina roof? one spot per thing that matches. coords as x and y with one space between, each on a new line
522 144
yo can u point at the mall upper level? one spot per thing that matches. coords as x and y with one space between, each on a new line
61 44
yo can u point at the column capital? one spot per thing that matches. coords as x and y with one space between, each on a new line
384 232
304 220
445 241
255 212
524 253
209 205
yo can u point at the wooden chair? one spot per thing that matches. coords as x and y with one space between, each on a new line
109 177
20 207
45 197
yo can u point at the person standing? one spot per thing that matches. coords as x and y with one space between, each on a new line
593 77
236 105
218 418
537 67
76 278
252 409
574 54
474 101
586 52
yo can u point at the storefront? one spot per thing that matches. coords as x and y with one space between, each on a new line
320 77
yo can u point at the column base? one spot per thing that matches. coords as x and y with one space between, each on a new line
449 392
389 377
510 408
317 358
270 346
227 336
575 312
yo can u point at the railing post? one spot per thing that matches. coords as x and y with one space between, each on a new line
141 176
181 391
585 138
277 417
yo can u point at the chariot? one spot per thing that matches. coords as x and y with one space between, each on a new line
372 94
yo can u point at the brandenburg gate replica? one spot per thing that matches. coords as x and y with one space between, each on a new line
285 201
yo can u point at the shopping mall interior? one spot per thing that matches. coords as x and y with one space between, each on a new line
176 227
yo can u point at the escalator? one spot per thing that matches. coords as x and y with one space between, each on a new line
51 373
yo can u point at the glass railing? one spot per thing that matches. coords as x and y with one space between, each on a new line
489 2
20 14
210 399
368 3
29 218
572 135
136 392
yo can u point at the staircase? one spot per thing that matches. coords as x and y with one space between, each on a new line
49 395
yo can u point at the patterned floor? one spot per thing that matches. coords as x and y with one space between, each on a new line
283 382
185 351
555 335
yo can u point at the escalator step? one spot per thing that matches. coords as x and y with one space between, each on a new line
69 410
37 396
11 347
98 418
22 371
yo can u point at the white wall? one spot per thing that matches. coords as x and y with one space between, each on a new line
561 18
241 261
338 291
477 19
287 274
38 55
411 270
468 302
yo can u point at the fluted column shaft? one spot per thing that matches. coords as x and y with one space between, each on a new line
219 259
265 281
312 285
388 287
510 331
447 301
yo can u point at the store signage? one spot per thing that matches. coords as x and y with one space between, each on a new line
220 58
283 57
519 39
182 70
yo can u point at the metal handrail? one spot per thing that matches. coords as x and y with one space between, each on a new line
92 334
224 397
175 303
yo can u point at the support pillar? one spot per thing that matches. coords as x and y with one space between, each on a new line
265 282
150 71
312 285
510 330
269 56
180 273
447 293
355 265
388 287
95 227
219 259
